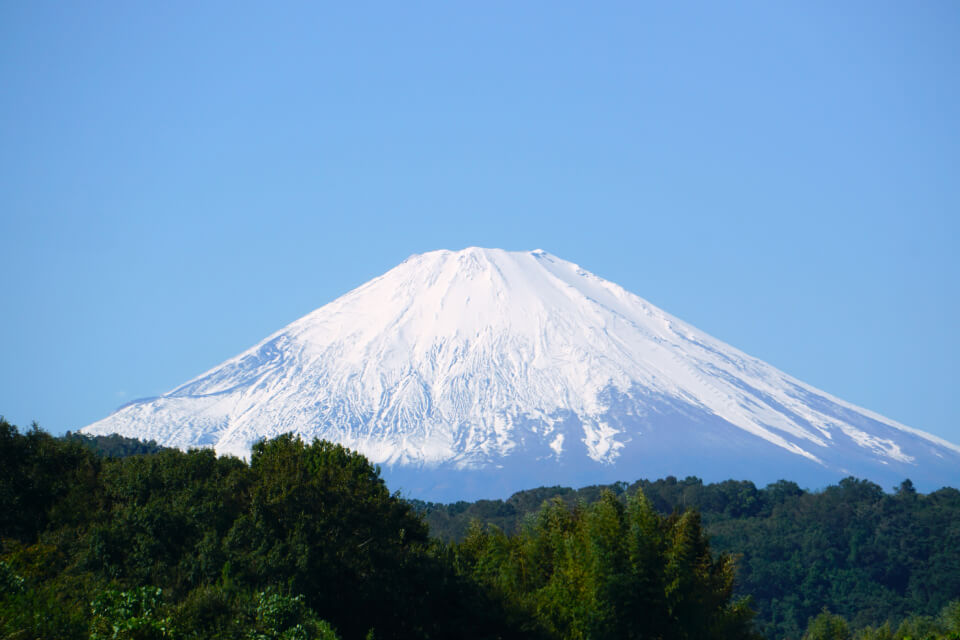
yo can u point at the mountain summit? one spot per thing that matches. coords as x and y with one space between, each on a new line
479 372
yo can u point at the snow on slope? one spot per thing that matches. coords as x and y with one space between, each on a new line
471 358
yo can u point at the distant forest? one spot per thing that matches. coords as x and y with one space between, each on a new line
116 538
868 556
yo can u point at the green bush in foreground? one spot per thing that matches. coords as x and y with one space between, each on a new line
130 615
281 617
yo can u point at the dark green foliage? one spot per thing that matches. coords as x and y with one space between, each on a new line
827 626
451 522
29 610
302 535
610 570
307 541
946 626
322 523
114 446
869 556
214 612
282 617
162 519
129 615
10 582
41 478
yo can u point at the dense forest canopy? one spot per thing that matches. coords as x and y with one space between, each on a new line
113 538
114 446
867 555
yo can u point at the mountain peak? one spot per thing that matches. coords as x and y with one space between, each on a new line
511 363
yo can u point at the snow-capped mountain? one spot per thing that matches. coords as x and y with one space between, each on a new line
479 372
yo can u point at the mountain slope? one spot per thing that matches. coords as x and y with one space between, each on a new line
468 372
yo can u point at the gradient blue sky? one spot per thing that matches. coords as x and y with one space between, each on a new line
180 179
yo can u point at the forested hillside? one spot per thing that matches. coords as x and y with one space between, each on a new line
306 541
864 554
113 538
114 446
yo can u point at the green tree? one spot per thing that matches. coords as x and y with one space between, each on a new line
41 478
827 626
609 570
283 617
130 615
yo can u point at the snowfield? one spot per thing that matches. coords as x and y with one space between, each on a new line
478 372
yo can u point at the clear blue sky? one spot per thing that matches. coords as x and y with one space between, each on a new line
180 179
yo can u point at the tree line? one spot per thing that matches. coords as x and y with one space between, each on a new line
113 538
874 558
306 541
